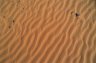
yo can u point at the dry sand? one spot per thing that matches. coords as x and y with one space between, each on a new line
47 31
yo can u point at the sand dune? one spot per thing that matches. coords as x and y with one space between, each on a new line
47 31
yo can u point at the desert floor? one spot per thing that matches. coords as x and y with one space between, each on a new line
47 31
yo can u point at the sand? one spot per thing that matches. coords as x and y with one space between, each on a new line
47 31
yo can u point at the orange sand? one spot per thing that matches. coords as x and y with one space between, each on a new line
47 31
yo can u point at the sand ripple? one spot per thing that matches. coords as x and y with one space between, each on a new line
47 31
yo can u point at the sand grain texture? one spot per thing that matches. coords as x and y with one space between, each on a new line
47 31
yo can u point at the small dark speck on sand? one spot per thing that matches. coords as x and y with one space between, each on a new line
13 21
77 14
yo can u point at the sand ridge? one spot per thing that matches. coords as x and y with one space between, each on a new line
47 31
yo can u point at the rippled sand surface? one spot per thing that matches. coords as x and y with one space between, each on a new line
47 31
